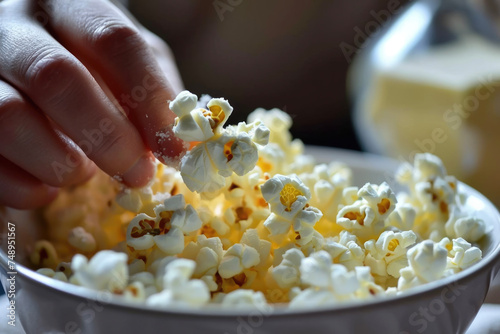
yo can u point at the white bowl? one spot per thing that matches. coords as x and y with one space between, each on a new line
44 305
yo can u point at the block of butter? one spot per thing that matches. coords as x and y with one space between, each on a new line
445 101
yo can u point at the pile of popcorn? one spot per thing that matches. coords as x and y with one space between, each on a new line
249 220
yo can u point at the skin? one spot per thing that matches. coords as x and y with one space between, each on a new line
81 87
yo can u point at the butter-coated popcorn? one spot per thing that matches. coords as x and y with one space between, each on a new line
249 221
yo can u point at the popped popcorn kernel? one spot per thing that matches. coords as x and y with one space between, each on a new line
288 196
250 221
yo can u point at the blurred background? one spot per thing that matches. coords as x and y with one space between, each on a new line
283 54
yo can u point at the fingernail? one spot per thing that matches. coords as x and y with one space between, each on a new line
141 172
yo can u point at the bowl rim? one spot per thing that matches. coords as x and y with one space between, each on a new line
487 263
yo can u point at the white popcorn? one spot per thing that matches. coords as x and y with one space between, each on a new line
287 198
387 256
207 253
82 240
138 232
381 198
286 195
173 220
469 228
356 216
402 218
107 270
329 282
427 262
327 184
263 247
243 298
134 199
368 288
278 122
345 250
366 217
178 289
237 258
206 166
199 172
287 273
198 124
464 254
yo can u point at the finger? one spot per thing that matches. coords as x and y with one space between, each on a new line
29 141
65 90
21 190
109 41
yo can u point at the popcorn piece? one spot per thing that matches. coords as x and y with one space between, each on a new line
206 166
287 273
207 253
134 199
139 232
464 254
178 289
286 195
82 240
469 228
327 184
329 282
263 247
135 292
345 250
107 270
278 123
243 298
387 256
368 288
367 215
431 189
402 218
237 258
287 198
173 220
198 124
427 262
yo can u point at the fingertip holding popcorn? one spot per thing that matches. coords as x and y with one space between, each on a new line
249 221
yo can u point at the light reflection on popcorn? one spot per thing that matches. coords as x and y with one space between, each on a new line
249 221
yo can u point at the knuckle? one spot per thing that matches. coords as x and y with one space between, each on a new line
49 70
115 38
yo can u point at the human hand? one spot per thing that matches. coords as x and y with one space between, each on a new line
79 87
